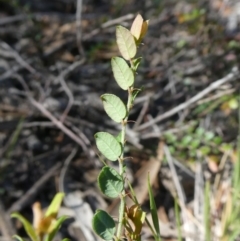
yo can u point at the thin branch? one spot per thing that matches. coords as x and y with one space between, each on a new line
28 196
78 27
68 92
231 76
10 52
56 122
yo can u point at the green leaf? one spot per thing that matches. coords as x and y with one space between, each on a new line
122 73
233 103
110 182
18 238
103 225
217 140
172 149
186 140
153 209
114 107
208 135
55 205
126 43
200 131
170 137
27 226
193 153
108 145
135 93
136 63
119 137
205 150
194 143
55 228
226 146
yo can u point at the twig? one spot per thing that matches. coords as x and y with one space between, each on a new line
188 226
62 81
78 27
217 96
12 19
6 227
28 196
180 192
231 76
64 169
56 122
13 54
72 39
142 113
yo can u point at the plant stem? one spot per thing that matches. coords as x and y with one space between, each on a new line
121 171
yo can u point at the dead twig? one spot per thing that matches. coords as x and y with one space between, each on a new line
56 122
6 227
78 27
64 169
28 196
68 92
231 76
7 51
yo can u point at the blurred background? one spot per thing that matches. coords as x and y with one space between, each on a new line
55 63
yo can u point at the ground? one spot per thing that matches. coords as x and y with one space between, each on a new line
55 63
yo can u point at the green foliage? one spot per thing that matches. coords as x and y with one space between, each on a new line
27 226
108 145
153 210
114 107
55 228
55 205
186 144
110 181
45 225
103 225
232 222
122 73
18 238
126 43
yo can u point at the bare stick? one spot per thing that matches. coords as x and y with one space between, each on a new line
28 196
64 169
78 27
231 76
13 54
56 122
68 92
6 227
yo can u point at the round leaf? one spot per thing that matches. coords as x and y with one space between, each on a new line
103 225
194 143
186 140
122 73
205 150
114 107
126 43
110 182
108 145
208 135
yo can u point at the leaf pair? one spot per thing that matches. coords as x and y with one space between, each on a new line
128 41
